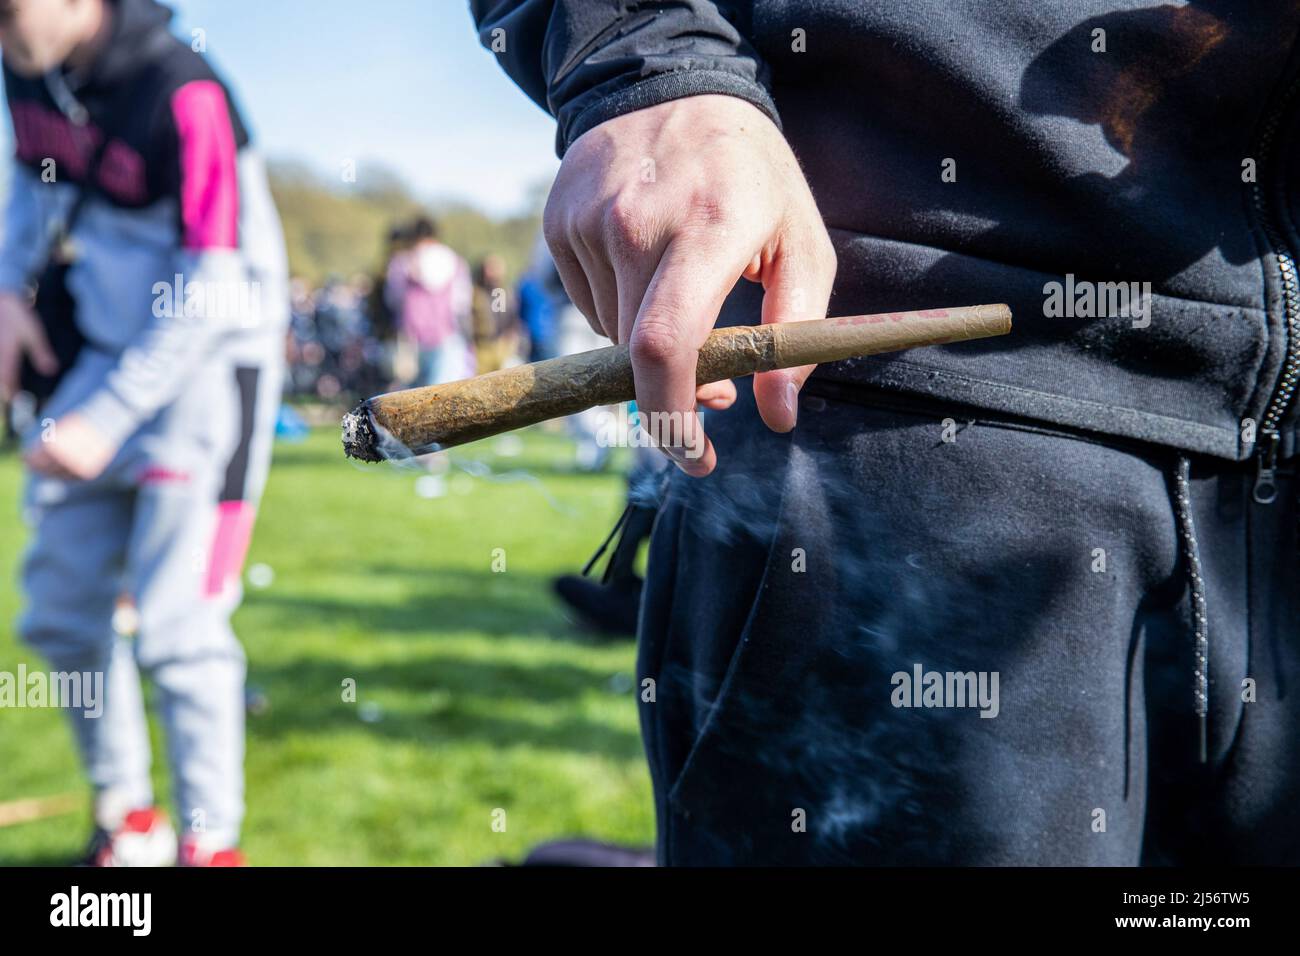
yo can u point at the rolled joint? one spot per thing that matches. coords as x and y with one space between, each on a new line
360 440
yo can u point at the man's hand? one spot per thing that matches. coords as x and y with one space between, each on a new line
21 334
653 218
70 448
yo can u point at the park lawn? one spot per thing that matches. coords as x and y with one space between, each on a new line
474 694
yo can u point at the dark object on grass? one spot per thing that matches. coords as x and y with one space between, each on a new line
606 608
256 702
579 852
612 605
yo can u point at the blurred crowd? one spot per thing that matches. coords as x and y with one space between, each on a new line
427 317
430 317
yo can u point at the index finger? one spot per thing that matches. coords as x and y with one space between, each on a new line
681 304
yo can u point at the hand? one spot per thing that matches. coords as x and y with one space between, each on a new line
70 448
21 333
653 218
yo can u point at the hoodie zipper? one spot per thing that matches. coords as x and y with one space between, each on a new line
1265 490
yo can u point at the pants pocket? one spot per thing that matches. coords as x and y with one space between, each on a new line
893 548
731 654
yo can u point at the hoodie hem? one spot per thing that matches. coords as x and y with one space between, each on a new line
1043 406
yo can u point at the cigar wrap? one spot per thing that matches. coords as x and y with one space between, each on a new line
419 420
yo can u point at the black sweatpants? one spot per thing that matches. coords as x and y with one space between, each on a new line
789 591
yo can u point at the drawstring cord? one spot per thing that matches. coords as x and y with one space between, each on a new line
618 526
646 491
1201 624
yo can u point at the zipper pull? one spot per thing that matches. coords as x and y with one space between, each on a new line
1265 492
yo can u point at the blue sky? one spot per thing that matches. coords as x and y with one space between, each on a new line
399 82
402 82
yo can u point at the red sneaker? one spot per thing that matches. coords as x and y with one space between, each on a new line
143 838
193 854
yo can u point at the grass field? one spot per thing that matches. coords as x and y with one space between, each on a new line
473 691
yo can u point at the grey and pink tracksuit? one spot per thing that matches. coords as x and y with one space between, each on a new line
180 286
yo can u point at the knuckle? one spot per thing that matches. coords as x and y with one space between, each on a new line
554 231
626 228
559 230
654 343
551 212
588 223
623 214
708 209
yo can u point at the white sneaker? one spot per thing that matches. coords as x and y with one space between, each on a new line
143 838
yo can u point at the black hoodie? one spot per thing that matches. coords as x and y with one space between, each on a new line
968 151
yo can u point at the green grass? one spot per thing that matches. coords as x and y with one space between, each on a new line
473 691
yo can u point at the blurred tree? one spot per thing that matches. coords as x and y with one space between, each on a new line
340 228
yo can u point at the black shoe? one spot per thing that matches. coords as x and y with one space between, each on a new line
580 852
607 608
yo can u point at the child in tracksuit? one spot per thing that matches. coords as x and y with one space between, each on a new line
148 460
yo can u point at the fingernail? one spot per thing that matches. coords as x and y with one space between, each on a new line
678 458
792 400
687 463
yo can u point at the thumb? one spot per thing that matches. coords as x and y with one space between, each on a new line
797 287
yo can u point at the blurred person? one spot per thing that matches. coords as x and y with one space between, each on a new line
495 319
429 286
303 356
574 334
159 237
373 343
557 327
541 295
382 318
339 326
392 286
